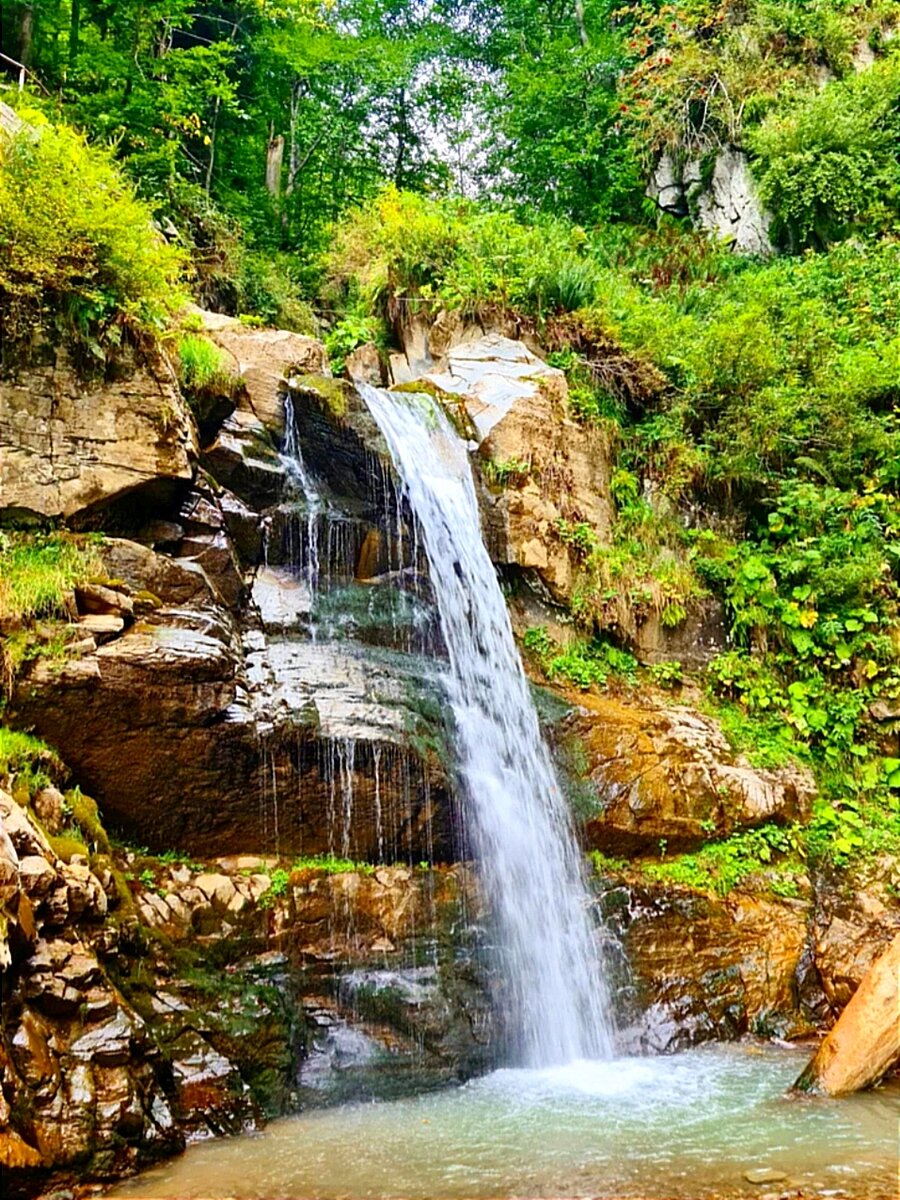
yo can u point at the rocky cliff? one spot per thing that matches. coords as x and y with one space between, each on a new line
248 679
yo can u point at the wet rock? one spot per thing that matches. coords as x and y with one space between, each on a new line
698 967
106 1045
243 458
37 876
667 773
103 628
515 407
764 1175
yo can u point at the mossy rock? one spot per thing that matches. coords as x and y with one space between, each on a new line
86 816
66 846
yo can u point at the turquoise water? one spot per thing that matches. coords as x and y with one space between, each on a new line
686 1127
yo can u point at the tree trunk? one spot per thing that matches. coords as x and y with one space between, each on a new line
579 20
26 35
274 159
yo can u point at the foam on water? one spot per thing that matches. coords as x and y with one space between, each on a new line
685 1127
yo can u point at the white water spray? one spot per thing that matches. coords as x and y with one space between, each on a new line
525 844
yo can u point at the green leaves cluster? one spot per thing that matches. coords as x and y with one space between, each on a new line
77 248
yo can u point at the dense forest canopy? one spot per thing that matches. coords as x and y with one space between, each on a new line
328 166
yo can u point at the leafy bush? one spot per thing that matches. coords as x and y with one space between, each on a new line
403 252
76 247
829 162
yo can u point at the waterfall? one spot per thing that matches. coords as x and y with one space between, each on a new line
300 479
525 845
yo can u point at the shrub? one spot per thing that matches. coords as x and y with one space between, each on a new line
829 162
76 246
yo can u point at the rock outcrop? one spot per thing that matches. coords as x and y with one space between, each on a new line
665 773
81 1080
865 1042
546 467
723 201
72 445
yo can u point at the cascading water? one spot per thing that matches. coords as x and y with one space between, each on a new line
523 837
300 478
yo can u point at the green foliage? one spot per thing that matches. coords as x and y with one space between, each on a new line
26 762
352 331
405 252
76 246
773 851
828 162
203 367
38 570
85 817
512 472
668 674
584 664
327 864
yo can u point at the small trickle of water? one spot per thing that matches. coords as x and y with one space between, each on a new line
302 481
525 844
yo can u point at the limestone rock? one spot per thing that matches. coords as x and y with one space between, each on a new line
727 205
72 444
865 1042
667 773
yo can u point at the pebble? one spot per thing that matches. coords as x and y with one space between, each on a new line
764 1175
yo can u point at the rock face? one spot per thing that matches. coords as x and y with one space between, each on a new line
667 774
82 1081
265 359
549 468
689 965
865 1042
698 967
191 736
725 204
70 445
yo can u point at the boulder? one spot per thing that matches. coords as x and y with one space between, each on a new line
266 359
73 444
666 773
865 1042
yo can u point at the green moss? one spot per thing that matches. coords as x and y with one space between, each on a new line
66 845
334 394
86 816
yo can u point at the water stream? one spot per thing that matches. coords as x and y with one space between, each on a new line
526 848
692 1126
